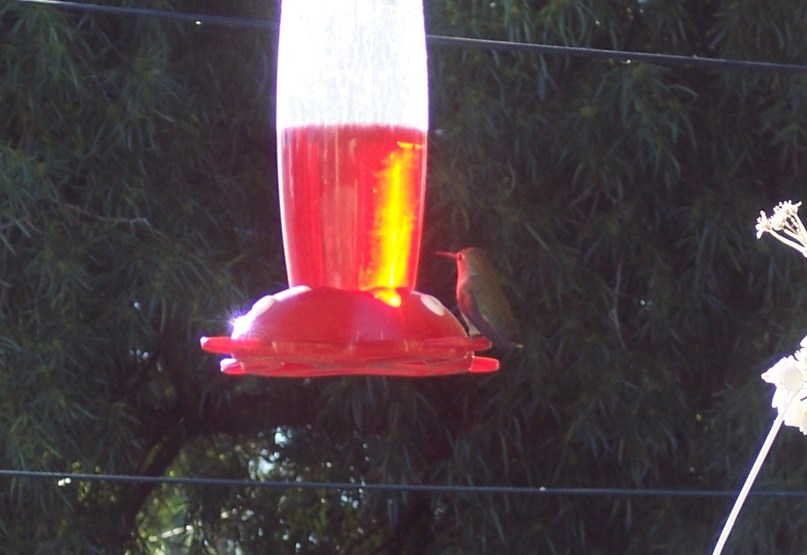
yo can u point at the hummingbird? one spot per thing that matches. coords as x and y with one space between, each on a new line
480 298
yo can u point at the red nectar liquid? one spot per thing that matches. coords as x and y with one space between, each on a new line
352 205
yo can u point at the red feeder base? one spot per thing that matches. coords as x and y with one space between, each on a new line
303 332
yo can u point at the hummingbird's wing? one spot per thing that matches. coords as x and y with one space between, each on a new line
487 308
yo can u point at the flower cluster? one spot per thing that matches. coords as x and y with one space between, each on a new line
785 225
789 375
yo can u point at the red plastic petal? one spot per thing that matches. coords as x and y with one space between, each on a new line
304 332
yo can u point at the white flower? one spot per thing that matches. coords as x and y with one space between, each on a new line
788 379
802 420
794 415
785 225
763 224
786 373
789 375
782 212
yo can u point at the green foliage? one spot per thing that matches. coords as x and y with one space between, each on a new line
138 212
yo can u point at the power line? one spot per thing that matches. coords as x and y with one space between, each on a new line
67 477
620 55
543 49
163 14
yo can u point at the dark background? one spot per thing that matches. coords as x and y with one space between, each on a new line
138 212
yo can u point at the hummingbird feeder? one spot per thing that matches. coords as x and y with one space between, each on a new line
352 120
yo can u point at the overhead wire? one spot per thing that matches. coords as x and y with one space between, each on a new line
65 478
467 42
198 19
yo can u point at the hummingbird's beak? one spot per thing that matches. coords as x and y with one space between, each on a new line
447 254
